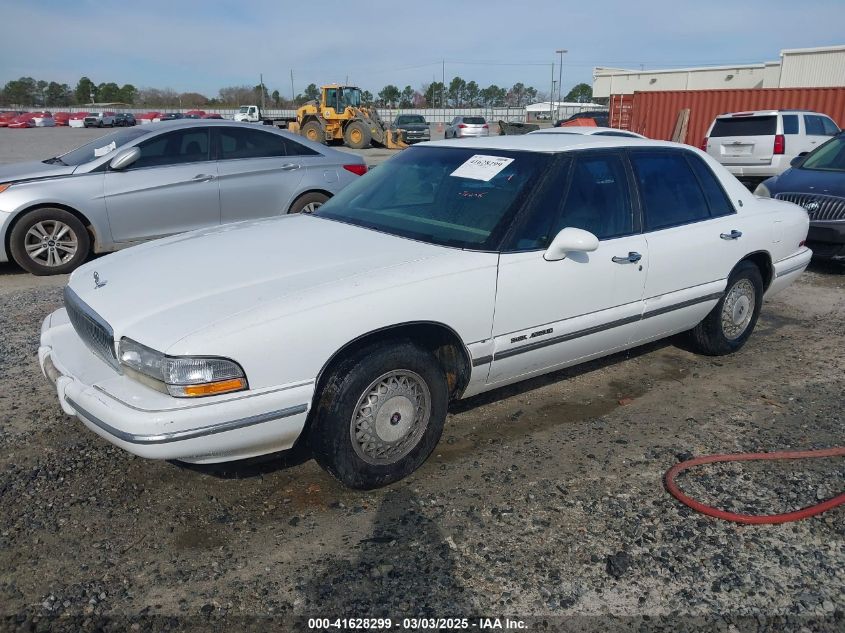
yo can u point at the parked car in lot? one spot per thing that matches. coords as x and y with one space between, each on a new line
99 119
452 269
588 131
77 119
816 182
21 121
414 127
7 116
171 116
757 145
42 119
144 182
600 117
211 115
124 119
464 126
61 118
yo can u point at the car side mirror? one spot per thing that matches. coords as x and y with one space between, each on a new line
570 240
797 160
125 158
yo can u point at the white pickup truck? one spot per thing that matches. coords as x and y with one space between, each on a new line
253 114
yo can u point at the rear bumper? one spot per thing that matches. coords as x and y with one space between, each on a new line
149 424
827 239
472 134
777 166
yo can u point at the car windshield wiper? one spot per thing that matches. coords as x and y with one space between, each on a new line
54 161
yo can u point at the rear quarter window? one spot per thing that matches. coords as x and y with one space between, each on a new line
745 126
669 190
790 124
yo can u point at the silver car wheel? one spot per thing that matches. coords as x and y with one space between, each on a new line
51 243
311 207
391 417
737 309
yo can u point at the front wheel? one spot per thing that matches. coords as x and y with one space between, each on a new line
730 323
49 242
380 414
357 135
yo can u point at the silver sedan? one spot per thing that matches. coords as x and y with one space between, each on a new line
149 181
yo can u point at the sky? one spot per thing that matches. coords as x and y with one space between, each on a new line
202 46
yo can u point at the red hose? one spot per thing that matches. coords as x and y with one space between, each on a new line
753 519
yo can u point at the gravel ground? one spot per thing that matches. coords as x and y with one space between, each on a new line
543 501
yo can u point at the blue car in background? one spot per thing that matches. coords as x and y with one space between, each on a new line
816 181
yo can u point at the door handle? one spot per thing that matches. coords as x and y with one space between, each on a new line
631 258
289 167
204 177
733 235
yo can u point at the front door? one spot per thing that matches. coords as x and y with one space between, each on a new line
550 314
171 188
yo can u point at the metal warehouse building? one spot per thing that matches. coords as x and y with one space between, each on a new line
797 68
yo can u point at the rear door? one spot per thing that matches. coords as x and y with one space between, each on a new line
259 171
171 188
818 129
740 139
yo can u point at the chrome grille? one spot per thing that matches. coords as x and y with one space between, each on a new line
91 328
818 206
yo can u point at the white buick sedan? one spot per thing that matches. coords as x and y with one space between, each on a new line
452 269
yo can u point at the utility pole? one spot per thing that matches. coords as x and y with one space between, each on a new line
443 89
261 81
561 52
552 95
292 93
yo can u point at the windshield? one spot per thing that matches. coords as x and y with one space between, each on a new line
408 119
828 157
101 146
457 197
243 110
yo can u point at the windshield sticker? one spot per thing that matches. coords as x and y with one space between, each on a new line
482 167
102 151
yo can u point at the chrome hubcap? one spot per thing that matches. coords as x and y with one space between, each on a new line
738 309
51 243
311 207
391 417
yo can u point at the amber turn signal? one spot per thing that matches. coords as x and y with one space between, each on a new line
208 389
4 186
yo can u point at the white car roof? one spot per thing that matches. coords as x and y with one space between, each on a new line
585 130
551 143
744 113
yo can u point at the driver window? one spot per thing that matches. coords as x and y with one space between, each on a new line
183 146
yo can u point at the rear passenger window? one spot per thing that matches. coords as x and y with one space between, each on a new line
669 191
790 124
598 200
814 125
830 128
717 200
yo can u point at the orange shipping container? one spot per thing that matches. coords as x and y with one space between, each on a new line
653 114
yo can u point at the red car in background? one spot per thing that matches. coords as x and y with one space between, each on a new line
61 118
7 116
147 117
77 119
212 115
22 121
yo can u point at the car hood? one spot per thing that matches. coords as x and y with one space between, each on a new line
829 183
160 292
33 170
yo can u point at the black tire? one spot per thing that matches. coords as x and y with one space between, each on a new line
313 131
710 337
330 434
99 124
357 135
48 218
314 198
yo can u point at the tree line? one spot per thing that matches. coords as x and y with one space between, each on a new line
458 93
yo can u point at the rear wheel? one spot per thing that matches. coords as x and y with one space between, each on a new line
49 242
380 414
357 135
308 203
730 323
313 131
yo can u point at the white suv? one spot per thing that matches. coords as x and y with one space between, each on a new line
757 145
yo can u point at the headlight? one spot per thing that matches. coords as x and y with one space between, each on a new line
762 191
181 376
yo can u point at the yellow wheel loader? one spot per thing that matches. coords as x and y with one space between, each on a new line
340 116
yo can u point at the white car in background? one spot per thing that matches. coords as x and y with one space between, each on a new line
467 126
588 130
452 269
43 119
760 144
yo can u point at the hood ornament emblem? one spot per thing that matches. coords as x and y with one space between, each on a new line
97 282
812 207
